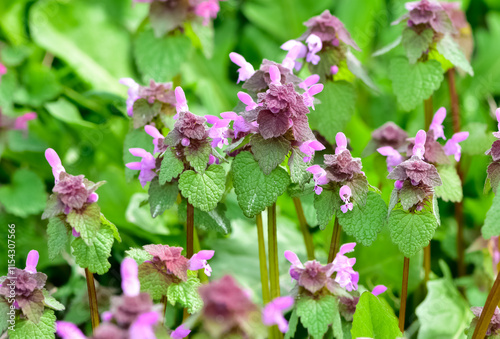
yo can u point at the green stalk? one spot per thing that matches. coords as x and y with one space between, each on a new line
264 278
488 310
94 311
189 230
164 301
304 228
404 295
273 261
429 111
335 243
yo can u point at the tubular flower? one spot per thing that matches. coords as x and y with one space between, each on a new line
246 69
345 195
146 166
158 138
314 45
419 148
346 277
199 261
452 146
272 314
437 123
319 177
309 147
394 158
219 132
341 142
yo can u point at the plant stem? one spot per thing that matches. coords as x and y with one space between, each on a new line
264 278
404 294
455 106
428 110
273 251
427 262
304 228
164 301
488 310
335 243
189 230
197 247
94 312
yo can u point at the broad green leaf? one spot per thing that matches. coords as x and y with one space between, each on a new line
161 197
412 84
139 255
451 51
298 168
186 294
33 310
94 256
164 17
106 223
443 305
494 175
491 227
255 190
364 222
326 204
171 167
316 314
416 43
39 86
51 302
25 195
87 222
205 190
58 233
292 324
53 207
479 140
4 316
374 319
214 220
160 58
336 109
198 158
411 195
144 112
411 231
153 281
83 34
8 86
20 142
202 36
26 329
451 190
269 152
136 138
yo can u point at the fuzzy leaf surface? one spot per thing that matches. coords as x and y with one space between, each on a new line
94 256
451 189
205 190
186 294
269 152
161 197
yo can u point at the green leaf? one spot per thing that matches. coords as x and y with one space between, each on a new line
139 255
443 305
298 168
269 152
51 302
292 324
186 294
452 52
364 222
161 197
451 189
494 175
94 256
25 195
106 223
202 36
58 233
326 204
164 17
411 195
171 167
144 112
374 319
316 314
479 140
205 190
82 34
26 329
87 222
198 158
416 43
136 138
411 231
4 316
214 220
336 109
53 207
412 84
160 58
39 85
255 190
153 281
491 227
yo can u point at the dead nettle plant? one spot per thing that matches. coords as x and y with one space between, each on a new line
75 217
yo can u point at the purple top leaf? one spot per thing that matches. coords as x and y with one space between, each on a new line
329 28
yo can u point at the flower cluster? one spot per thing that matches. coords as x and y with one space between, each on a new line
494 151
427 14
132 315
161 92
494 326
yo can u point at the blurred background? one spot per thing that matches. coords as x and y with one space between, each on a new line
64 59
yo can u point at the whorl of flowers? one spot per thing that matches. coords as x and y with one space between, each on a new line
427 14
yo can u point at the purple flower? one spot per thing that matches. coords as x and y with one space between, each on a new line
146 166
199 261
67 330
390 134
394 158
130 280
21 123
319 177
314 45
246 69
143 327
346 277
379 289
437 123
180 332
452 147
417 171
240 125
248 100
74 191
309 94
334 69
497 114
54 162
3 70
207 10
494 326
219 131
32 261
309 147
272 314
428 13
274 75
419 148
133 93
296 50
158 138
341 167
329 29
341 142
345 194
310 80
180 101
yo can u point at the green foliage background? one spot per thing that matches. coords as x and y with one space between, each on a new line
64 61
